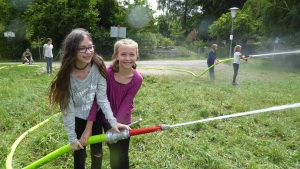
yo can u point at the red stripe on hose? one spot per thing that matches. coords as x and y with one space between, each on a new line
144 130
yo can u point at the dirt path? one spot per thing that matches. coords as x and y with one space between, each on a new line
195 66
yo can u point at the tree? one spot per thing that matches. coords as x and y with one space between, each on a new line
11 20
163 26
216 8
198 15
245 28
184 11
56 18
282 19
4 11
111 14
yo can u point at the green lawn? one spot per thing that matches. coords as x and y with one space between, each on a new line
269 140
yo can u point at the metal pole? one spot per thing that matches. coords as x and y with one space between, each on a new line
231 37
39 48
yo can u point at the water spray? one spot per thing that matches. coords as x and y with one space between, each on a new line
112 136
278 53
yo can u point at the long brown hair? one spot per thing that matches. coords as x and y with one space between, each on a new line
115 62
60 88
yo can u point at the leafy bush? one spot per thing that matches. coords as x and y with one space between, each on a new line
164 41
147 43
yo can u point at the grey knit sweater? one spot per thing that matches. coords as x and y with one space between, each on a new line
83 93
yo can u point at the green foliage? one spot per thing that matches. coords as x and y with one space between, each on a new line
147 43
45 18
164 41
255 8
217 8
163 26
269 140
104 43
281 19
195 14
4 11
110 14
199 43
244 27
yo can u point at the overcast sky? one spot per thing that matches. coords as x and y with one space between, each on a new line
153 4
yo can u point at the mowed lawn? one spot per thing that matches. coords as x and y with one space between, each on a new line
267 140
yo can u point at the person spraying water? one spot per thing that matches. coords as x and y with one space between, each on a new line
237 56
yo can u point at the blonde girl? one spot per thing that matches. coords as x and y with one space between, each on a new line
123 83
237 56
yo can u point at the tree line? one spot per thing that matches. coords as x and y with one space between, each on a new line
189 23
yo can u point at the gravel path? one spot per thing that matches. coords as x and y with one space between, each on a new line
194 66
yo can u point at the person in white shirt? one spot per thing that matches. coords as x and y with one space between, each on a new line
236 62
48 55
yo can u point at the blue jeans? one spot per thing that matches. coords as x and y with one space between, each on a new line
49 64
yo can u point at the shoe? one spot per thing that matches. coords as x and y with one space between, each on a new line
234 84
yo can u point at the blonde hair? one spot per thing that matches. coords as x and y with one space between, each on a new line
237 48
214 46
115 62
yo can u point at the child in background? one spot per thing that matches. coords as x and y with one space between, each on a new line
27 57
123 83
48 55
212 59
237 56
74 88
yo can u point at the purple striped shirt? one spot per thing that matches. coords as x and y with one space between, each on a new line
120 96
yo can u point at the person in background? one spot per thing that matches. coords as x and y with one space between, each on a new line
237 56
74 88
27 57
212 59
48 55
123 83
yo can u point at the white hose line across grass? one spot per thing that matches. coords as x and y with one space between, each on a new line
274 108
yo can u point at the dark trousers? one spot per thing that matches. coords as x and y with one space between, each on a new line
119 158
96 149
235 72
211 72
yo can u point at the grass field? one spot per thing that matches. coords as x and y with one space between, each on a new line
269 140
